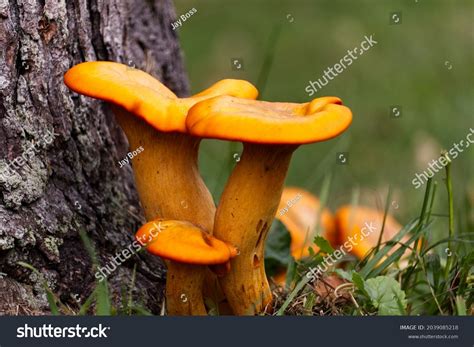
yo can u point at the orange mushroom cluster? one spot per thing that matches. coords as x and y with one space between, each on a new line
166 173
173 195
304 218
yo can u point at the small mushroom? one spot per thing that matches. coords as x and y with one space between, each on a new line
300 212
182 243
270 132
166 172
359 228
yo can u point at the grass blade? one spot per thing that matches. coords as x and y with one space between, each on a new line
372 263
85 306
103 307
387 205
461 306
449 187
52 299
292 295
268 60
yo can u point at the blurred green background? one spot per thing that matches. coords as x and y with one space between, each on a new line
423 64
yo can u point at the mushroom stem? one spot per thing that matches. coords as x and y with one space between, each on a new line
243 218
166 172
170 186
184 285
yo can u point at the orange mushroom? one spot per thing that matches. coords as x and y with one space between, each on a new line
280 278
181 242
166 172
300 212
361 226
270 132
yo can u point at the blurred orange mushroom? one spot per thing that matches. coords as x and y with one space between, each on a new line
153 117
270 132
300 212
181 242
362 225
280 278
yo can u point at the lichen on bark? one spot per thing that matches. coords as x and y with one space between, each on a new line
73 182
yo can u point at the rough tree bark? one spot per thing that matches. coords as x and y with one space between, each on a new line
72 180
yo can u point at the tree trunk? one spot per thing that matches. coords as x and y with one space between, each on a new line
59 152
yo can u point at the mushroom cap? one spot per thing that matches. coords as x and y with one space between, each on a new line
301 220
231 118
350 220
183 242
143 95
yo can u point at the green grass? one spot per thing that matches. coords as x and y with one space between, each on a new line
433 283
